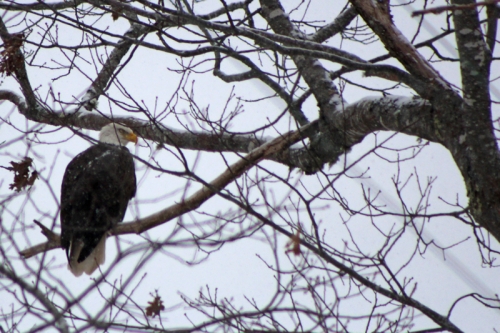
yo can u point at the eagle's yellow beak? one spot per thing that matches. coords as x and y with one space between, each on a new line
132 137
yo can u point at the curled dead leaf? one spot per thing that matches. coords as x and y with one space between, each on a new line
294 244
22 175
10 58
155 306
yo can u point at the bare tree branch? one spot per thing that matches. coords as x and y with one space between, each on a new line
440 9
60 322
197 199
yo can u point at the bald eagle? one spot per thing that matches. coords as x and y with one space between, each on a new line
96 188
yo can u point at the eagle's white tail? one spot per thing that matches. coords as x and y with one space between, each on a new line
90 264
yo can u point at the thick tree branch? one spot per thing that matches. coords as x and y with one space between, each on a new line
340 23
378 18
475 151
464 126
412 116
211 142
440 9
405 115
474 56
197 199
317 78
493 13
57 6
315 75
28 7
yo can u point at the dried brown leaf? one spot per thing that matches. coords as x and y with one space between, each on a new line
294 244
116 12
22 176
10 58
155 307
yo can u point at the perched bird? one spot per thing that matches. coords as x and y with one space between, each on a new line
96 188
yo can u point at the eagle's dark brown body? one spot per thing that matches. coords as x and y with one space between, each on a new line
97 186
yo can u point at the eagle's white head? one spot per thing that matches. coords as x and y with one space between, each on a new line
117 134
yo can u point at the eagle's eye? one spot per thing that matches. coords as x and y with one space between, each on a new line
122 131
